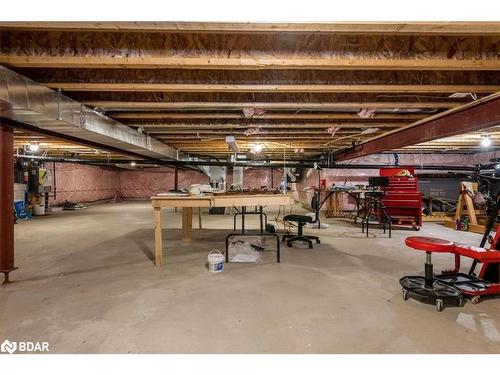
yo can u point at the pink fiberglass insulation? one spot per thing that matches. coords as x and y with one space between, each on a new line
144 184
255 178
83 183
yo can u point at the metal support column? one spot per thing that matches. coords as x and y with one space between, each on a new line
176 178
6 200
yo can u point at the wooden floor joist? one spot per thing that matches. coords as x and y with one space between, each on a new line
243 63
265 116
121 105
171 87
165 127
404 28
283 132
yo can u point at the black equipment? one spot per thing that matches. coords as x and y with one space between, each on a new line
375 206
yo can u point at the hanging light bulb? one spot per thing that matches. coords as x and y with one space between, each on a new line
33 147
257 147
486 141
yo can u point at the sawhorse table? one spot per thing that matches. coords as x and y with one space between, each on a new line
221 200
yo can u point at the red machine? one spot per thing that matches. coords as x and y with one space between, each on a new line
402 199
452 285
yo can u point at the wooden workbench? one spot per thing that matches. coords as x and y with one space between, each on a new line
187 204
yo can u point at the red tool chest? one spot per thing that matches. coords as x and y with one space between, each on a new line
402 199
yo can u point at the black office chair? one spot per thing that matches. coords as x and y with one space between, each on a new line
301 220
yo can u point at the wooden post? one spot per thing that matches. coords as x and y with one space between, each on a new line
158 239
187 223
460 206
470 209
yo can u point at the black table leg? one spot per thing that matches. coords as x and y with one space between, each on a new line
260 217
243 212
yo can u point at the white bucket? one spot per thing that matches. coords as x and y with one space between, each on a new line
215 261
39 210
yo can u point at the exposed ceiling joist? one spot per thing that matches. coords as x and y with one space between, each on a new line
122 105
265 116
189 87
427 28
188 84
256 63
165 127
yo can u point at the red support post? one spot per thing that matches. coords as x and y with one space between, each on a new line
6 200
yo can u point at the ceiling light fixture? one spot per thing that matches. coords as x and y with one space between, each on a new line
486 141
34 147
257 148
231 142
132 163
462 95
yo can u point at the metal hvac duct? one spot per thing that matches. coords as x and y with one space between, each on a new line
26 101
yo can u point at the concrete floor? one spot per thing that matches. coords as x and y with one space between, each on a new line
86 284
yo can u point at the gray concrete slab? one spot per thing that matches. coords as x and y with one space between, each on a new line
86 284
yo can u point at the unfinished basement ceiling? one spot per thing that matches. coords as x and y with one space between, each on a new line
297 88
24 140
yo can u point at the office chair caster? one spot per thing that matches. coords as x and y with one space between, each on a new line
405 295
439 305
